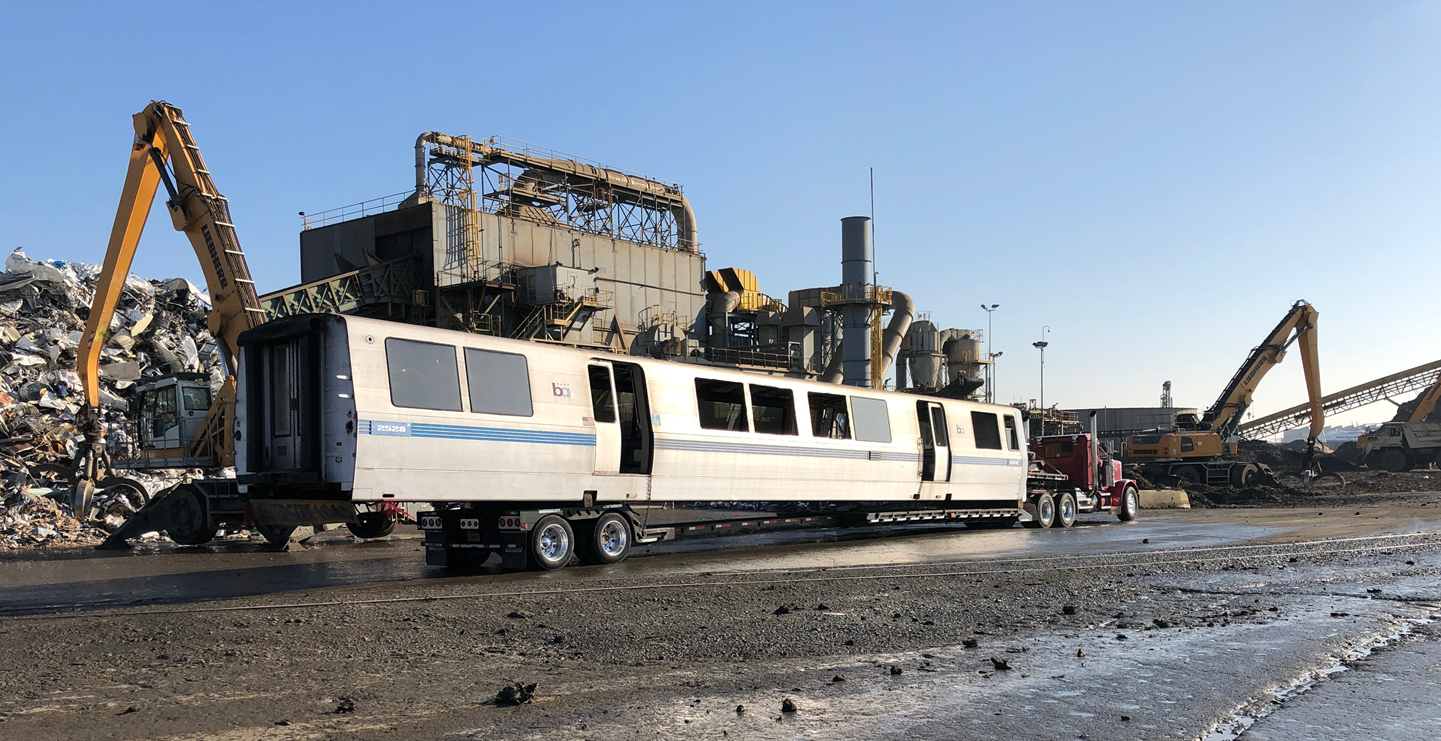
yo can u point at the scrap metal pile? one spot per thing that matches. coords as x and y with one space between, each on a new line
159 327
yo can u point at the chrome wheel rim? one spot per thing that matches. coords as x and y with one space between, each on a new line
1047 510
1068 510
613 538
1131 504
554 543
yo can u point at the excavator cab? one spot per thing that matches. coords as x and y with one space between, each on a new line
172 413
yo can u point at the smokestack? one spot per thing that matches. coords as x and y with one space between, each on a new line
856 318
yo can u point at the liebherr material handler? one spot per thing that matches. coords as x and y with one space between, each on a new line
180 425
1195 450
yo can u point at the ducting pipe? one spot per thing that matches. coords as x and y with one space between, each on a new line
903 312
718 309
835 370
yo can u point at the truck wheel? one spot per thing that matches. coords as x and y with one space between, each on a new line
1066 510
552 543
1190 475
1394 460
1130 504
371 525
607 540
1245 475
1045 515
186 521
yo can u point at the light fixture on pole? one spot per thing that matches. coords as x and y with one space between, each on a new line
990 369
1042 347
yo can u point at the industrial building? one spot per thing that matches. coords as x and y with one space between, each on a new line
513 240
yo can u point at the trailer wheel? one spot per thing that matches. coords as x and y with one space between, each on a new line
606 540
186 521
1066 510
371 525
552 543
1130 504
1394 460
1045 515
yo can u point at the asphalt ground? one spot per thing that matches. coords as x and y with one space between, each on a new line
1223 611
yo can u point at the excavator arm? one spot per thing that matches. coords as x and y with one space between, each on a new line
162 137
165 152
1299 326
1427 404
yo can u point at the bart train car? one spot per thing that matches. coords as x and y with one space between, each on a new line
543 452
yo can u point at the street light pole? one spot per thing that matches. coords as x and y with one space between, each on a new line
1042 347
990 369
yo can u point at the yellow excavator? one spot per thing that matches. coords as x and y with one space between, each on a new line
180 425
1408 443
1194 452
177 422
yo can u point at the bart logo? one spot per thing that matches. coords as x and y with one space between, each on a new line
560 389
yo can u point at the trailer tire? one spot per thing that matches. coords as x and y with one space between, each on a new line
371 525
552 543
1066 510
1190 474
1394 460
186 521
1130 504
605 540
1045 515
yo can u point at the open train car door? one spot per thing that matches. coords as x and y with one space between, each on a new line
935 442
620 405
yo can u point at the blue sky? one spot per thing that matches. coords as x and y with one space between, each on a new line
1156 182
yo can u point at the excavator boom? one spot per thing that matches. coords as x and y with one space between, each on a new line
1225 415
197 208
1427 403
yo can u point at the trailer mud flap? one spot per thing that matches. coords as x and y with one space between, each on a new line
298 512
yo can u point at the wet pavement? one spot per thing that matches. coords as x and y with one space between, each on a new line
77 579
1184 625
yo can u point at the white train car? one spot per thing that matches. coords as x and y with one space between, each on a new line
541 452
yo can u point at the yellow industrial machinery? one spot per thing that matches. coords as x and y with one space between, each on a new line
182 426
1193 450
1406 443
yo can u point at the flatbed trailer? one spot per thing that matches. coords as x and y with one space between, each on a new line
465 537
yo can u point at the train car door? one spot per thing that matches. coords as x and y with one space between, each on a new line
281 382
935 442
637 443
607 429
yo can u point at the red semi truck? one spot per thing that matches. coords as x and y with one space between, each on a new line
1069 476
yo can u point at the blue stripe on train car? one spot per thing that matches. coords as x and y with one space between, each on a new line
466 432
979 461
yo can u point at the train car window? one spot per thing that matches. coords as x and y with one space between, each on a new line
872 418
988 430
499 382
774 410
423 375
830 417
601 402
722 405
1011 432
